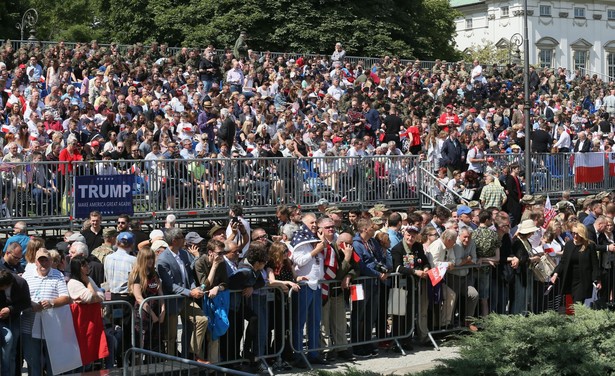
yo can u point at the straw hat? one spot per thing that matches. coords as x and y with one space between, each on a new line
527 227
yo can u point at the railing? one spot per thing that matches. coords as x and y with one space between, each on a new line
433 192
365 60
43 192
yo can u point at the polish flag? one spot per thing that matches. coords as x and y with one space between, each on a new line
437 274
549 213
588 168
611 164
356 293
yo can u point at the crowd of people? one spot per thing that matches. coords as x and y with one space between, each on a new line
320 258
125 110
144 111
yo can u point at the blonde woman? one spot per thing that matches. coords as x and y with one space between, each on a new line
579 270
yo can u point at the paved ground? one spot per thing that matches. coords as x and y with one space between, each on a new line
389 363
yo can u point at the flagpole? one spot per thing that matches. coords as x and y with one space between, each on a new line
526 99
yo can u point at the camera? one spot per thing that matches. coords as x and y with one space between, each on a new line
235 220
381 268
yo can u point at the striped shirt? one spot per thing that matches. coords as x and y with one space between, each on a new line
42 288
118 266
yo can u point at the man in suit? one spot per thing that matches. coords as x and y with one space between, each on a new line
452 153
582 145
513 193
605 249
177 277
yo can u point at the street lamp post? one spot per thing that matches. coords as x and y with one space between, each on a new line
526 99
516 40
28 20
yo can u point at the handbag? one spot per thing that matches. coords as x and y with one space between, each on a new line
544 268
398 298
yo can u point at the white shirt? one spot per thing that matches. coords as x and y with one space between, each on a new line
563 141
309 266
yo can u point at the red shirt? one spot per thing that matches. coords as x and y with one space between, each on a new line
66 156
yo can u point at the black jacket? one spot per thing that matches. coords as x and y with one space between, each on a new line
589 270
452 154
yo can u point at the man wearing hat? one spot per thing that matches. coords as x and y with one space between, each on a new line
519 259
109 235
47 290
464 215
118 266
193 243
322 205
336 214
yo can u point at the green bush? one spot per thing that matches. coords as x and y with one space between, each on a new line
545 344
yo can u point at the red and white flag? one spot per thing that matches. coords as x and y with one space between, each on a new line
611 164
549 213
588 168
437 274
356 293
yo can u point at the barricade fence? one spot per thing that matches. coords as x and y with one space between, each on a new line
44 190
271 326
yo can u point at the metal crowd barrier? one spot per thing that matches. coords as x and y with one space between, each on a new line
316 327
44 192
472 291
166 364
256 332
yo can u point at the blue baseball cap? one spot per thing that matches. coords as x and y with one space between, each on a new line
463 209
125 237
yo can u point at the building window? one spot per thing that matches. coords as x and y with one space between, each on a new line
504 11
545 11
468 23
545 57
579 12
579 59
610 64
610 14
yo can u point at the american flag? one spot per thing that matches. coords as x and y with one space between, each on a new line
549 213
331 266
303 236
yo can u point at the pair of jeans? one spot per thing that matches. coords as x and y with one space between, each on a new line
307 304
9 335
36 354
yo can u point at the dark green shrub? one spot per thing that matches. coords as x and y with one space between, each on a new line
546 344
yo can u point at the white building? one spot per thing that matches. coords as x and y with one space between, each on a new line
561 33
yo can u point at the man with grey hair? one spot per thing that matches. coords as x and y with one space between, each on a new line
21 236
465 255
338 54
177 278
439 252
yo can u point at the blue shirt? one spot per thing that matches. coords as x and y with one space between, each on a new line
22 239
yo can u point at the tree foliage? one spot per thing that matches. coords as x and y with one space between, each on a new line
417 28
488 53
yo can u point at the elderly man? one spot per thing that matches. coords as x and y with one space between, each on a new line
177 278
439 252
21 236
340 269
47 291
492 195
465 256
309 244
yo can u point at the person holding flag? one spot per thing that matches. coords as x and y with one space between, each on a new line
410 260
308 258
441 255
